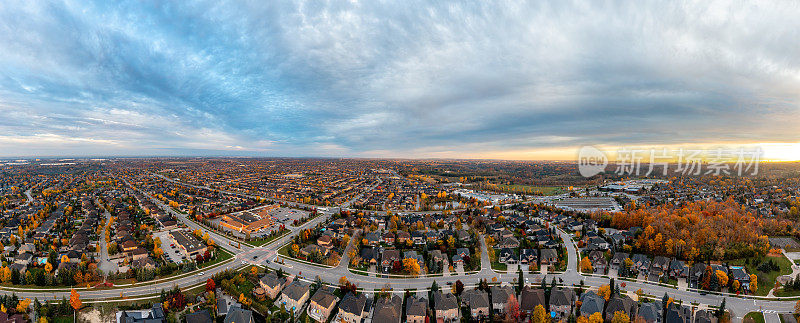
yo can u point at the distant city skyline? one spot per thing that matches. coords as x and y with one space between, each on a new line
506 80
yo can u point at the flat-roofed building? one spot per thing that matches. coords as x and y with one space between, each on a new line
189 245
247 222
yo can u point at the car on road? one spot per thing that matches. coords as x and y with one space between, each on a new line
201 274
255 257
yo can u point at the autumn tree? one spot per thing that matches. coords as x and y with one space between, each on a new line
210 285
411 265
75 301
604 292
620 317
722 278
512 308
596 318
539 315
753 283
586 265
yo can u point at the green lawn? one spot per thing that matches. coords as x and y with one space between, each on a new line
499 266
63 319
285 251
261 242
791 293
757 317
766 281
222 255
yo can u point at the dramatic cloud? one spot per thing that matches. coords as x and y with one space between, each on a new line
416 79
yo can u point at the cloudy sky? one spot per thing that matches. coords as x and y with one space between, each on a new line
394 79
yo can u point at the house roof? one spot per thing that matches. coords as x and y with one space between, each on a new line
444 301
271 280
324 298
591 303
500 294
416 306
387 309
562 296
199 317
239 315
475 298
651 312
296 290
530 298
353 304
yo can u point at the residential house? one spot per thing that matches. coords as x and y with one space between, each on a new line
272 284
416 310
389 238
500 296
373 239
659 266
295 295
561 301
436 256
388 309
651 312
369 255
738 273
326 242
678 314
151 315
678 269
477 301
618 259
321 305
528 256
389 258
446 307
620 304
529 298
591 303
202 316
705 316
507 256
402 237
548 257
239 315
510 242
351 308
641 263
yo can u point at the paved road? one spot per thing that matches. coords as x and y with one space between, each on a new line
105 263
28 196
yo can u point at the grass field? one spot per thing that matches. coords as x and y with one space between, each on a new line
222 255
261 242
499 266
544 190
766 281
757 317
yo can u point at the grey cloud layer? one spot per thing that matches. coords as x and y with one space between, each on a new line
401 78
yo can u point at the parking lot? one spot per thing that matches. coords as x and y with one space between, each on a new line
287 216
171 250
